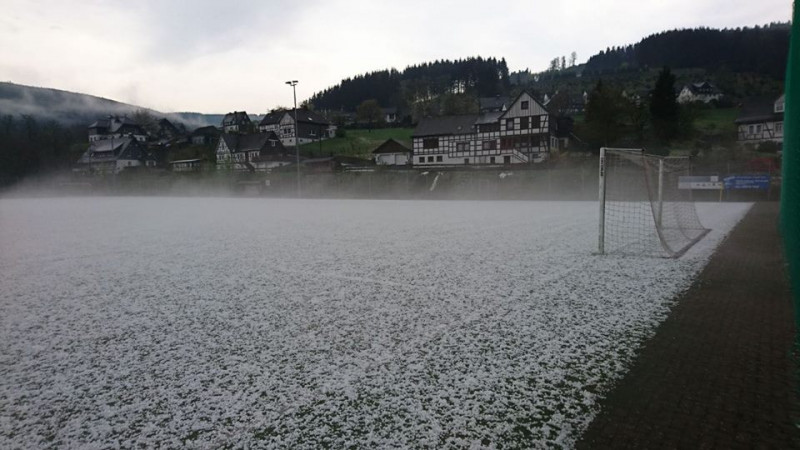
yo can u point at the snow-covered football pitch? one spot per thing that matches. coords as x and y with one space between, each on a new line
214 322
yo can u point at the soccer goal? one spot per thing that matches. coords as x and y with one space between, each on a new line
642 209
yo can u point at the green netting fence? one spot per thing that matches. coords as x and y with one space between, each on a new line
790 187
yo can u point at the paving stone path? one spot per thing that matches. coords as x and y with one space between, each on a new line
719 372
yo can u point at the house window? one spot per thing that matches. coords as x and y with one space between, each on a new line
439 158
491 160
430 143
312 133
462 146
489 145
421 159
524 105
750 129
536 121
758 128
509 124
466 160
507 159
524 123
430 158
779 127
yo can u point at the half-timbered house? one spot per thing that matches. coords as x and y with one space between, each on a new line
704 92
518 135
761 120
112 156
236 122
255 152
115 127
311 127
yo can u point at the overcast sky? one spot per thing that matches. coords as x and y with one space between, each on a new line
216 56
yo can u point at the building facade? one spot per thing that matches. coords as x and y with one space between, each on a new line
255 152
236 122
116 127
311 127
761 120
519 134
704 92
392 153
112 156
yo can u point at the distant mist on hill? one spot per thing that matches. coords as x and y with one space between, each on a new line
71 108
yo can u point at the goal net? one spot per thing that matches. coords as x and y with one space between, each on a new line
643 211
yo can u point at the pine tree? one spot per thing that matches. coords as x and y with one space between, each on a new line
604 114
664 109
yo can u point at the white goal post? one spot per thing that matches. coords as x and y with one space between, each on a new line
642 209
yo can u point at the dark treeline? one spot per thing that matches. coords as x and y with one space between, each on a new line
760 49
476 76
28 145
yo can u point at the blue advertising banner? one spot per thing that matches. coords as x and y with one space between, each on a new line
757 182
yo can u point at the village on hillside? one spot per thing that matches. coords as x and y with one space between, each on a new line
505 132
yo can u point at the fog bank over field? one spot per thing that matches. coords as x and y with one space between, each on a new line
576 182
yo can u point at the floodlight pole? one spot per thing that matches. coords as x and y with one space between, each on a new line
293 83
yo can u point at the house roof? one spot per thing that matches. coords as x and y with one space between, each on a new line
489 117
261 142
391 146
702 88
114 124
519 97
113 149
496 102
166 124
303 116
272 117
108 145
446 125
235 118
758 109
462 124
210 130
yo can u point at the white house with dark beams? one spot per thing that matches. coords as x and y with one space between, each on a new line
520 134
115 127
704 92
761 120
255 152
311 126
236 122
112 156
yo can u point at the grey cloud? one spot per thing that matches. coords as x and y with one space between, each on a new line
181 31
